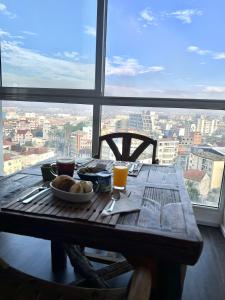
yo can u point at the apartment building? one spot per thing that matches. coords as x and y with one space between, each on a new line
210 161
167 150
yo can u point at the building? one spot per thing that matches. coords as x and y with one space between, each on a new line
210 161
197 138
206 125
23 135
146 122
167 150
199 179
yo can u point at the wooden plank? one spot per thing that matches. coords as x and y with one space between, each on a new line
79 212
104 259
140 284
150 215
58 221
172 218
37 204
44 204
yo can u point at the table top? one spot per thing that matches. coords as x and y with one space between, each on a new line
165 227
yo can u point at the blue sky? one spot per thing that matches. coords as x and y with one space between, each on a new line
154 48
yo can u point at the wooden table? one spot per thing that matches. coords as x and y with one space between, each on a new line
165 228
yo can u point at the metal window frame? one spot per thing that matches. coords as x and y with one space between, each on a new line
97 99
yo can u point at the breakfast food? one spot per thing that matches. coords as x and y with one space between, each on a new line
76 188
63 182
98 168
68 184
87 186
81 187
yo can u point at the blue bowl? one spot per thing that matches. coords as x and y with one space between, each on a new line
93 176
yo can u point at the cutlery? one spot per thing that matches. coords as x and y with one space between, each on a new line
114 199
29 199
40 188
133 168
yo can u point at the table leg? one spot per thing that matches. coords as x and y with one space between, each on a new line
58 256
167 278
170 280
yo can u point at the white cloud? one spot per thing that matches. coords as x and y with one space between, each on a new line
128 67
44 71
185 15
163 92
90 30
198 50
193 49
72 55
147 16
213 54
27 32
214 89
5 11
219 55
127 91
4 33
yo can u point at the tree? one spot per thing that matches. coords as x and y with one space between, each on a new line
192 191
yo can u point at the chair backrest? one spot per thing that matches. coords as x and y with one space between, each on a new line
15 284
126 146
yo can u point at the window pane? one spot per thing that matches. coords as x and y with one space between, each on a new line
194 140
48 44
35 132
166 49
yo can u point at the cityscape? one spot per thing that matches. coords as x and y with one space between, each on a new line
192 140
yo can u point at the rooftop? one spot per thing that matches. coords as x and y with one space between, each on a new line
195 175
209 155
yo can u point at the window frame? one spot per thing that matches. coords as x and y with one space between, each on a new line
97 99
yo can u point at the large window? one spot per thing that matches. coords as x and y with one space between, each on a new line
35 132
114 54
48 44
193 140
166 49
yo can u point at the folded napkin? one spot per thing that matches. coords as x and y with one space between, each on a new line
124 204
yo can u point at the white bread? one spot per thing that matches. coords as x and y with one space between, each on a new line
87 186
63 182
76 188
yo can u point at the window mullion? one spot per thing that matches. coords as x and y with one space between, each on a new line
96 127
100 47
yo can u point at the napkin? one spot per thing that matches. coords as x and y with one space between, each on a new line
124 204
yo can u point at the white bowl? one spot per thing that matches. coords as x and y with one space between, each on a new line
71 197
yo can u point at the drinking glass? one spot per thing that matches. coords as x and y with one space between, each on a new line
64 166
120 173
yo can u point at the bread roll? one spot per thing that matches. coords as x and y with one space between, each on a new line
87 186
76 188
63 182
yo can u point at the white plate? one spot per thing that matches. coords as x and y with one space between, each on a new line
71 197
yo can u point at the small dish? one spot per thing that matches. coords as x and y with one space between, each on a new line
93 176
71 197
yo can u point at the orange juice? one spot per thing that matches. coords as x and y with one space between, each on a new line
120 176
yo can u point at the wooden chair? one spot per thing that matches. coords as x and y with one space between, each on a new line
16 285
126 146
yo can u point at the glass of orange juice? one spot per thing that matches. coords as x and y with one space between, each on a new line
120 173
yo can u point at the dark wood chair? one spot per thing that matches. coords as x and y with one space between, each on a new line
126 146
124 156
16 285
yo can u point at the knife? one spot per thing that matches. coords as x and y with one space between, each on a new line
29 199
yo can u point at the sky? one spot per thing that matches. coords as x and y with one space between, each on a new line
155 48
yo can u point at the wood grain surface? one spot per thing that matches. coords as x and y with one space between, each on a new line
165 225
